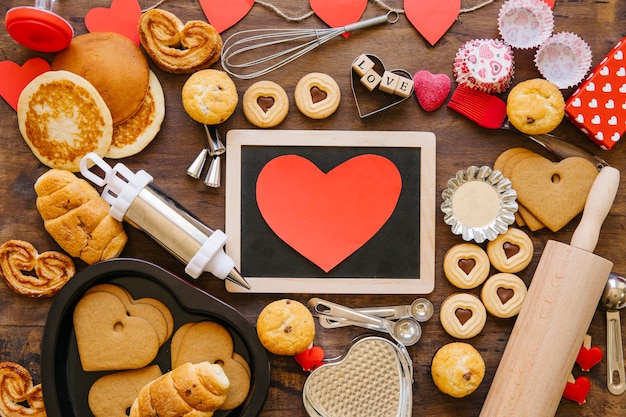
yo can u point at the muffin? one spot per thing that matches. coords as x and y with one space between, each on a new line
209 96
285 327
457 369
535 106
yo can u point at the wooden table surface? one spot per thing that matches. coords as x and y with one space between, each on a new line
460 144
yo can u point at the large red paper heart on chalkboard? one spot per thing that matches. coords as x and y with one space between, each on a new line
122 17
432 19
224 14
339 13
15 77
327 216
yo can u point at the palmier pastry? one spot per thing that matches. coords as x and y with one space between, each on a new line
317 95
463 315
466 265
503 295
53 269
18 396
176 47
511 251
265 104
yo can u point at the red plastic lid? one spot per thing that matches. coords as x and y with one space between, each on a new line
38 29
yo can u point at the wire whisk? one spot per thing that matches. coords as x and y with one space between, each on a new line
249 42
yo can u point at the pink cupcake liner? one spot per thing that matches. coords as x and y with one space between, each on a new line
485 65
564 59
525 24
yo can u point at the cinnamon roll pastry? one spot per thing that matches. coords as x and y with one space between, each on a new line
176 47
18 396
52 269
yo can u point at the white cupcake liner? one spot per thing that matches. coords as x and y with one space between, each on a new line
525 24
485 65
564 59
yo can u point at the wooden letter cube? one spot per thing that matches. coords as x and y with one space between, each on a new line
362 64
389 82
371 79
404 87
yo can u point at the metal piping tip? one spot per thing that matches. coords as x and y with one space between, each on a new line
236 277
213 175
216 147
195 169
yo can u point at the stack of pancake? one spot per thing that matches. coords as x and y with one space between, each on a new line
99 97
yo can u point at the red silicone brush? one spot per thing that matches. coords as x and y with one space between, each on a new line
489 111
484 109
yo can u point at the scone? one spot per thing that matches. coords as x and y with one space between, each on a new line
535 106
285 327
210 96
457 369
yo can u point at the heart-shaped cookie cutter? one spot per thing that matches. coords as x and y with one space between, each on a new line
370 99
376 379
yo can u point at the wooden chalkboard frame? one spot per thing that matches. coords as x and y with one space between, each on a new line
420 282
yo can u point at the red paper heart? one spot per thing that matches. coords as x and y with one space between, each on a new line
122 17
327 216
431 90
432 18
588 358
310 358
224 14
578 390
339 13
550 3
15 78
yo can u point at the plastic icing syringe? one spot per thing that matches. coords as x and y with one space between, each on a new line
135 200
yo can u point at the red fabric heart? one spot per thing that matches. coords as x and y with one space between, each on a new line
327 216
578 390
432 18
588 358
15 77
339 13
431 90
310 358
224 14
122 17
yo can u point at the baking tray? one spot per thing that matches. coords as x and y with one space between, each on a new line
65 384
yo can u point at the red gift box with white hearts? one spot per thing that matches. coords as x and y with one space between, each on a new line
598 106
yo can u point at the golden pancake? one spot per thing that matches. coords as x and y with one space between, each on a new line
114 65
62 118
137 132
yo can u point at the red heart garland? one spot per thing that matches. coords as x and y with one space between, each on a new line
327 216
224 14
122 17
588 358
15 77
339 13
431 90
432 18
310 358
578 390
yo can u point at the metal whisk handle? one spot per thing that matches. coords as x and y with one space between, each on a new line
389 17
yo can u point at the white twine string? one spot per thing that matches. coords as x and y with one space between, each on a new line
380 3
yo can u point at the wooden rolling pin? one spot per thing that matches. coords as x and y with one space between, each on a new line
561 301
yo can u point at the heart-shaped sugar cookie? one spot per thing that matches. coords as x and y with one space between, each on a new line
108 338
554 192
373 379
372 102
431 89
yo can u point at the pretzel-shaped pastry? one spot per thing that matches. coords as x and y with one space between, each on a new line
53 269
16 389
176 47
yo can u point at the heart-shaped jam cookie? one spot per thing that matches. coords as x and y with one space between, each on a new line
466 265
372 379
463 315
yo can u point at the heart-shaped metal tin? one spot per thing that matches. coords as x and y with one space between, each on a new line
374 377
372 102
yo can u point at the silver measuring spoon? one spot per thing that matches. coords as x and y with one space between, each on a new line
405 331
613 299
420 309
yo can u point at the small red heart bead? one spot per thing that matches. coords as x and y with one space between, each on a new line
310 358
588 358
578 390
